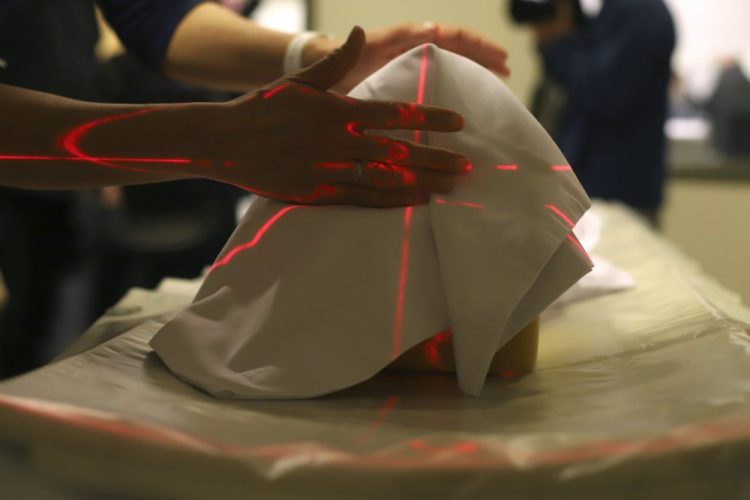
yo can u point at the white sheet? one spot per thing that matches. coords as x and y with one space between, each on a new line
605 277
305 301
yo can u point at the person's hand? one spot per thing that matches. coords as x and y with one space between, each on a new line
385 44
293 141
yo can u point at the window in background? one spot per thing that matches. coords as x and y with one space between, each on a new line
711 91
290 16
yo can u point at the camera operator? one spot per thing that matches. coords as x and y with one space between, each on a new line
615 71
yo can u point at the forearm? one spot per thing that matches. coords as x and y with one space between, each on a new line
214 47
268 142
49 142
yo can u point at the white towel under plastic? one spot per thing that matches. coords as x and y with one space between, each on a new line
308 300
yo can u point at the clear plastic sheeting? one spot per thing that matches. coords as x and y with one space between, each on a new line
642 393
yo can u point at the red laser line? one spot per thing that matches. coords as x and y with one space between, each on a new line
409 114
561 168
70 140
413 114
405 176
422 75
433 356
432 350
122 159
466 447
256 239
305 90
336 165
580 248
460 447
312 197
443 337
398 151
421 86
272 92
408 178
692 437
570 236
400 297
403 112
560 214
506 167
417 444
353 129
401 294
468 204
386 409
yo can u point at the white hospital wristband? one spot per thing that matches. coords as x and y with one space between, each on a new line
293 54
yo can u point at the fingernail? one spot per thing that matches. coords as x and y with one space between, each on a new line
429 28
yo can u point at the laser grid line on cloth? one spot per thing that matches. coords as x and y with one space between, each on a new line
304 301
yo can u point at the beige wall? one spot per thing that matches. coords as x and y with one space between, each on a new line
485 16
710 222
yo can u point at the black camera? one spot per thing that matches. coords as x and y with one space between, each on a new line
531 11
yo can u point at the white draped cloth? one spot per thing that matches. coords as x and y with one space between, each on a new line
307 300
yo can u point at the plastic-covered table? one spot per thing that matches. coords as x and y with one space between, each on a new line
638 394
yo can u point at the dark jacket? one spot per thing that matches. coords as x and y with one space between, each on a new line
617 73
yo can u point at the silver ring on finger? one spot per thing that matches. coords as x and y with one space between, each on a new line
358 171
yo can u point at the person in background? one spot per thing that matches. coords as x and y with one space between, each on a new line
615 70
267 141
729 107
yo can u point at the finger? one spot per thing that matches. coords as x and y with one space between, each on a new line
473 46
330 70
367 197
404 115
399 178
410 154
406 36
387 177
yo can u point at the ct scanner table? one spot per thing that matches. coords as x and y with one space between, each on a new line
639 394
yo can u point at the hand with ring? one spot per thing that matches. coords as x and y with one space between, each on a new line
296 142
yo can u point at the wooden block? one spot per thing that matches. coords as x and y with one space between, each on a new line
436 354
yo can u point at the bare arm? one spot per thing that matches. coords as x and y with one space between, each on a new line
39 147
268 142
214 47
